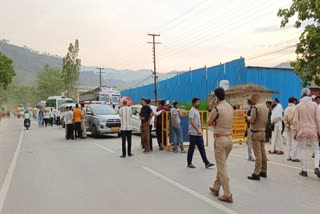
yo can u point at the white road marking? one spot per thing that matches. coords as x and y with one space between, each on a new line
7 180
274 163
191 192
105 148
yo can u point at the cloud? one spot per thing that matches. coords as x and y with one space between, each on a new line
272 28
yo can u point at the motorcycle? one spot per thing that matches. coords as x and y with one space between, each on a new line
27 123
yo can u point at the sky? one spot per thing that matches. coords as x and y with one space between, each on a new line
114 33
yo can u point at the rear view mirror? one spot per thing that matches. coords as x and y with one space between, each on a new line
89 113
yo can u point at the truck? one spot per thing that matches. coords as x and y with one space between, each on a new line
108 95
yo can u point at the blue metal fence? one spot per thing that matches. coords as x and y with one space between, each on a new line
200 82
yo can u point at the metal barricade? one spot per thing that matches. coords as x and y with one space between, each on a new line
168 137
239 127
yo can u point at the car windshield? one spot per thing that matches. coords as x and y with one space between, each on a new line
115 99
103 110
105 97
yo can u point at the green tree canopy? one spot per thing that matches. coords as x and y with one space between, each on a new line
6 71
50 82
307 63
71 69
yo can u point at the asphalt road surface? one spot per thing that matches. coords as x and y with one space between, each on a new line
42 173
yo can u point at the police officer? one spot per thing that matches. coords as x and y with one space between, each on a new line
221 118
258 120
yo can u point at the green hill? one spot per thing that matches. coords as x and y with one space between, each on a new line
28 62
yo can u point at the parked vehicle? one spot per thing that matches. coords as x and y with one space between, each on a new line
56 101
102 120
107 95
136 122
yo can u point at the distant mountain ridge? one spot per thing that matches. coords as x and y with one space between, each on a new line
284 65
28 63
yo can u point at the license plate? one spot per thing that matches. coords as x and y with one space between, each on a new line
115 128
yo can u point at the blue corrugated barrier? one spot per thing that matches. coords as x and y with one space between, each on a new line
200 82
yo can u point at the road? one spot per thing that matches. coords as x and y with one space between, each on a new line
42 173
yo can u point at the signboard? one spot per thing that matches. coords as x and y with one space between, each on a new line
239 125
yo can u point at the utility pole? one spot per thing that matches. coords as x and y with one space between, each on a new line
154 43
100 72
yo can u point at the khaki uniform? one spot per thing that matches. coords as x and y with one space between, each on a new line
83 122
222 117
258 121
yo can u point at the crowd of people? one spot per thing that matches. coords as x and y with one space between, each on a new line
298 124
73 120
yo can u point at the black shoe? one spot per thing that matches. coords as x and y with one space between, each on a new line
191 166
303 173
263 174
295 160
289 159
122 156
161 149
254 177
317 172
130 155
209 165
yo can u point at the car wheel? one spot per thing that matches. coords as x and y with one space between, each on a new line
94 131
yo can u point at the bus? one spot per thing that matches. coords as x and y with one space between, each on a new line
109 96
56 101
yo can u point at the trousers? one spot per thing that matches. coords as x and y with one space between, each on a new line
83 127
258 145
178 138
126 136
276 139
70 131
291 145
159 137
222 149
197 141
145 136
302 144
77 127
249 144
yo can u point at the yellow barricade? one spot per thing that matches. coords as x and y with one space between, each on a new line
239 127
166 127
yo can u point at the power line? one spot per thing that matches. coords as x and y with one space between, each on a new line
217 32
270 53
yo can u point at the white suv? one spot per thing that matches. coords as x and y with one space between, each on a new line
101 120
136 122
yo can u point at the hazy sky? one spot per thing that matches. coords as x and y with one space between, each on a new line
113 33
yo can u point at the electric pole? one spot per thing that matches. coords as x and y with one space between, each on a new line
100 72
154 43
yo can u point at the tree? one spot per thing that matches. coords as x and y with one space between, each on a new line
307 63
6 71
71 69
49 82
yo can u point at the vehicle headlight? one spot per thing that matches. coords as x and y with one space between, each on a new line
103 121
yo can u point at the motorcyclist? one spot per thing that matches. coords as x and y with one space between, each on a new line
27 117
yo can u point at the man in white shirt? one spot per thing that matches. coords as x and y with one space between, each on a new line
276 120
58 115
288 133
125 113
69 123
